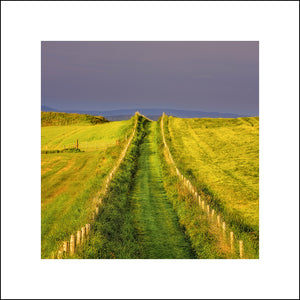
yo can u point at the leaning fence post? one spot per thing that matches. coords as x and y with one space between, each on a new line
241 249
72 244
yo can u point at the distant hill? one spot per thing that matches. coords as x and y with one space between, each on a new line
47 108
57 118
154 114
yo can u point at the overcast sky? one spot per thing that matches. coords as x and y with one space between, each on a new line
208 76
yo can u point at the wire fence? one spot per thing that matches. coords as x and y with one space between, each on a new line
68 248
83 146
215 219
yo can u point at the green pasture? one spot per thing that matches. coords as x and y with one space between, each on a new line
90 137
221 157
70 181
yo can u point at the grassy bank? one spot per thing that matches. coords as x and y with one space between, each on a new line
113 233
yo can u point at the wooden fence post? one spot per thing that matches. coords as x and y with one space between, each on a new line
93 216
78 238
82 234
66 247
207 209
203 205
72 244
231 241
59 254
224 229
87 229
241 249
212 213
76 143
218 220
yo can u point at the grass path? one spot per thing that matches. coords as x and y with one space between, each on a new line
159 232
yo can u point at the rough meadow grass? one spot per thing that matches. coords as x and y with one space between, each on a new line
220 157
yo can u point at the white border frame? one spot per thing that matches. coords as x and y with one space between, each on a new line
25 25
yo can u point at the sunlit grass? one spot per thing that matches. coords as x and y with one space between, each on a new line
136 219
56 137
222 156
71 180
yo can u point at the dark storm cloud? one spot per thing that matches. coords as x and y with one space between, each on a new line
211 76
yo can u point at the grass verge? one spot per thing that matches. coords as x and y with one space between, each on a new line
113 233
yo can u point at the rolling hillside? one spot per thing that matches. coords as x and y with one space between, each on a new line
59 119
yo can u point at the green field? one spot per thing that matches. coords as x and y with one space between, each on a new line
90 137
146 212
70 181
221 158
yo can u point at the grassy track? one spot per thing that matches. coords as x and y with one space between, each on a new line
136 218
159 232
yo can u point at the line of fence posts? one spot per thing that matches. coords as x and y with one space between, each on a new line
87 144
69 248
192 190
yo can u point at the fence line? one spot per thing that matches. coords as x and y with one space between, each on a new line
144 116
195 194
68 248
85 146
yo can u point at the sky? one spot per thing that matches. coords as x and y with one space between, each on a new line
197 75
